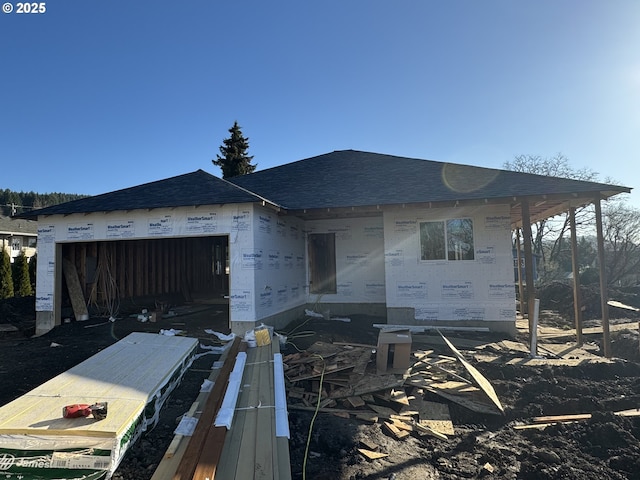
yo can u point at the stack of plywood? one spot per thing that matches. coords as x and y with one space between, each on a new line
135 377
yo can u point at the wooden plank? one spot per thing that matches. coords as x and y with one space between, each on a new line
169 464
282 443
78 301
479 379
369 445
189 461
265 424
424 429
247 448
568 350
371 455
437 340
545 421
130 265
531 362
562 418
468 396
394 431
230 459
634 412
361 345
122 265
399 396
402 425
368 384
318 373
436 416
211 454
167 265
82 269
356 402
175 443
139 270
329 410
615 303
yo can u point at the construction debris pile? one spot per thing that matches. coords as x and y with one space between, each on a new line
353 381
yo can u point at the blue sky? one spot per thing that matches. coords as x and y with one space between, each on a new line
99 95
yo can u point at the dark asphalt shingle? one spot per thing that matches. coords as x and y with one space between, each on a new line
346 178
191 189
17 226
353 178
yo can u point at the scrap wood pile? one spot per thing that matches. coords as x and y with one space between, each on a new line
342 379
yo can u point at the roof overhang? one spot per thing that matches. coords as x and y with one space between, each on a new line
541 207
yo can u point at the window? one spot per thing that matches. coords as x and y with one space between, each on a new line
432 241
322 263
450 240
15 245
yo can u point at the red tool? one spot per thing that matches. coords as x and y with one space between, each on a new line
98 410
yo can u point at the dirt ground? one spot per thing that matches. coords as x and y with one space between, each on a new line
484 446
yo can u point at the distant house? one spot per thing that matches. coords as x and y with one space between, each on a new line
414 241
17 236
536 261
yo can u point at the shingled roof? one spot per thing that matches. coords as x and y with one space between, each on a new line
351 178
191 189
17 226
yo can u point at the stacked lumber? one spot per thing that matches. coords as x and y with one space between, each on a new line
252 443
134 376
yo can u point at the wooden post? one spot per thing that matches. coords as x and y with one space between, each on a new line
131 276
528 262
577 297
140 264
520 282
604 296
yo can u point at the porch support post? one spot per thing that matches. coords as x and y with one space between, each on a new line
604 296
519 269
528 263
577 297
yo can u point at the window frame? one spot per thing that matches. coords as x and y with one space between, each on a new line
444 232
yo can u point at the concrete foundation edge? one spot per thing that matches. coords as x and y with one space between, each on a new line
406 316
282 319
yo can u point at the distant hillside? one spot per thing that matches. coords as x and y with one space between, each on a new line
13 203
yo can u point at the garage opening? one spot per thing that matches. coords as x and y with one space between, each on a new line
132 271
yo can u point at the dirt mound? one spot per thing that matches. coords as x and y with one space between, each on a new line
558 297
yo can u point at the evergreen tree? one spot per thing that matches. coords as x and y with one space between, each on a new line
234 160
21 280
33 265
6 280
